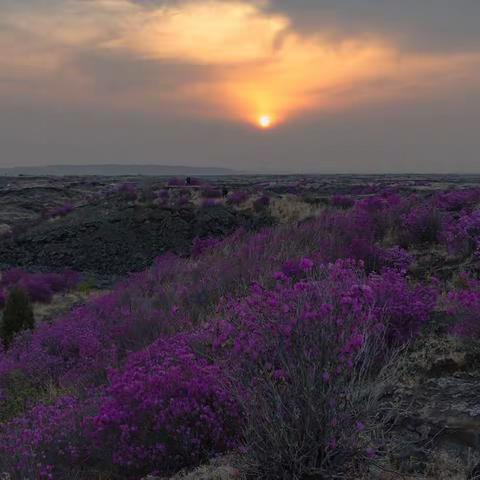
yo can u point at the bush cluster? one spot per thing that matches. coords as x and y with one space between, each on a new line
40 287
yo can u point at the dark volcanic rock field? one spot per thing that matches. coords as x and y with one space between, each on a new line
117 238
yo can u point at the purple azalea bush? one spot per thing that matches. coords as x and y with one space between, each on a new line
342 201
40 287
462 236
463 305
209 203
128 191
237 198
457 200
167 407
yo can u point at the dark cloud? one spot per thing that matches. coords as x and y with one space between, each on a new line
435 25
123 73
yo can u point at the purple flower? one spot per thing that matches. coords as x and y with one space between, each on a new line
306 264
360 426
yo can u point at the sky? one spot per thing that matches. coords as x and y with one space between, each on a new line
306 86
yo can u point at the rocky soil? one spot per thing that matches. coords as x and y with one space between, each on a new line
439 408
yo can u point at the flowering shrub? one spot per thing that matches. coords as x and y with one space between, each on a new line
354 234
309 419
237 198
406 308
40 287
463 305
342 239
261 203
168 408
462 236
380 213
12 277
37 288
421 225
458 199
128 191
163 194
250 329
202 245
342 201
176 181
305 351
183 200
45 442
209 202
339 294
395 257
295 268
172 198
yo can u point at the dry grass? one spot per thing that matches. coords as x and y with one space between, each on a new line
289 208
62 303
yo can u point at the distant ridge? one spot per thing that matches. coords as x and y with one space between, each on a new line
114 170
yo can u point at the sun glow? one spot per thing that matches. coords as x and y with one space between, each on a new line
265 121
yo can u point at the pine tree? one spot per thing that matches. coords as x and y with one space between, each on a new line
17 316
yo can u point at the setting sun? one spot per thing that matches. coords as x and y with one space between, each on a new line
265 121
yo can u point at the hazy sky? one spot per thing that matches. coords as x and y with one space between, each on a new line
290 85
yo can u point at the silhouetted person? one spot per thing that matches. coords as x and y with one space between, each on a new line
188 181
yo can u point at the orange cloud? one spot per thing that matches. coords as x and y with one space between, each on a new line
264 68
208 32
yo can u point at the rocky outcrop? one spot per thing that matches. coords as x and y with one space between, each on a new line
439 407
25 199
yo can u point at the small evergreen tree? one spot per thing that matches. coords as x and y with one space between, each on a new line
17 316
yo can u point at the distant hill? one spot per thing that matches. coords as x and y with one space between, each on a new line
115 170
